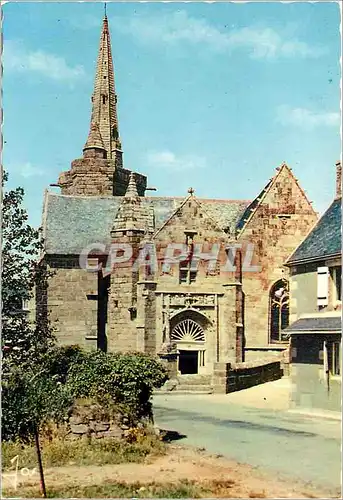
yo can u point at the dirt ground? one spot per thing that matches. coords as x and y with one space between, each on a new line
180 463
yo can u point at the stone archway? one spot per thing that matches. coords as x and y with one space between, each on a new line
187 331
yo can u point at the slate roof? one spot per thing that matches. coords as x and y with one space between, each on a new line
325 238
325 324
70 223
252 206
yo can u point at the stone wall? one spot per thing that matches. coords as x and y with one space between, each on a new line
276 226
231 377
88 177
72 303
122 305
91 421
270 353
94 176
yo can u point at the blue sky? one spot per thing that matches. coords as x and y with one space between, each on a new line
210 95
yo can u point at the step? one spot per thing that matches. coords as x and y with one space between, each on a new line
194 379
193 387
180 393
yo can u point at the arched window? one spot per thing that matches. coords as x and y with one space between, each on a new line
278 311
187 330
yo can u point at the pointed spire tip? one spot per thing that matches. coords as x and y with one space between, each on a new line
131 191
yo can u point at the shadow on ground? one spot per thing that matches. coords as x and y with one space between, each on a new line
168 436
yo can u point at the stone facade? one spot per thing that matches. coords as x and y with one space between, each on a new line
194 317
276 225
72 302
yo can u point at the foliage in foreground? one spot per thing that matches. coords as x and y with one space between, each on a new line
40 381
180 489
22 340
126 380
46 392
59 452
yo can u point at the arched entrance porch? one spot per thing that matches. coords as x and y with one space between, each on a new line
187 331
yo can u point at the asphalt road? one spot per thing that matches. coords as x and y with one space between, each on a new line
305 449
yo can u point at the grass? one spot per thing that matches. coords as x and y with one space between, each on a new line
82 452
179 489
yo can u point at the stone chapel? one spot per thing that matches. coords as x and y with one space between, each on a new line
205 314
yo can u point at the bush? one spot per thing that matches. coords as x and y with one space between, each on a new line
126 380
121 382
29 400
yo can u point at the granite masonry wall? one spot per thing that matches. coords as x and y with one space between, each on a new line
72 303
230 377
276 227
91 421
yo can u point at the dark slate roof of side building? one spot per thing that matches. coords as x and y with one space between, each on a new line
71 223
315 324
324 240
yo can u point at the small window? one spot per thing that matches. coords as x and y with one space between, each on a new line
104 99
333 357
279 311
337 283
183 275
192 276
187 273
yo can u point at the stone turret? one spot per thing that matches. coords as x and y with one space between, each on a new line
132 217
94 145
129 229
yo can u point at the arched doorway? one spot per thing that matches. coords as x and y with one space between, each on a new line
278 311
187 331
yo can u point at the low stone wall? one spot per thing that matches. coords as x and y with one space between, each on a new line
270 353
230 377
90 421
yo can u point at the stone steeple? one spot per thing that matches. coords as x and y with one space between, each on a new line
104 98
100 172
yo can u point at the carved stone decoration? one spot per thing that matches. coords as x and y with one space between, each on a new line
177 300
191 300
188 330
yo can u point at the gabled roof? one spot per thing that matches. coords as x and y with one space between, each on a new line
324 240
208 214
70 223
252 207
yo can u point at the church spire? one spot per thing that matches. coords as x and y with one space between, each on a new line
104 99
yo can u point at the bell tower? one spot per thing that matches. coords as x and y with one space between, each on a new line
100 171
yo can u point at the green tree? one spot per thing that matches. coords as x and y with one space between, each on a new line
29 394
22 340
